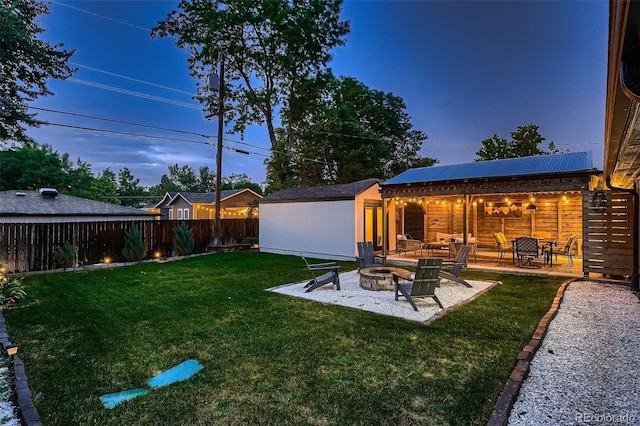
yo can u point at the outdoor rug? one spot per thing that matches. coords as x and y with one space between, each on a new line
383 302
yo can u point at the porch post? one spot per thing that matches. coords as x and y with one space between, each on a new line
384 227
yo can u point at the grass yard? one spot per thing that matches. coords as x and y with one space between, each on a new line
268 358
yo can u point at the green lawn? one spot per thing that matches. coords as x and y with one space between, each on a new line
268 358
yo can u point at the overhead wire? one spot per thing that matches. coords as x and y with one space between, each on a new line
148 83
132 93
202 135
101 16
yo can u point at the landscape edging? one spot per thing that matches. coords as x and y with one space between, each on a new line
509 394
24 404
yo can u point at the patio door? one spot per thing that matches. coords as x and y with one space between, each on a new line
373 220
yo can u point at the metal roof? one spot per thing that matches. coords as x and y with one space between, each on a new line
523 166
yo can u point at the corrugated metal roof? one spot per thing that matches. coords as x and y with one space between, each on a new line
523 166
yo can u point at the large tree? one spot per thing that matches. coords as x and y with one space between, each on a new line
349 132
525 141
31 167
268 46
26 63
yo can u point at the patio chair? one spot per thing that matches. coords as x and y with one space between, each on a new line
456 266
527 249
403 244
503 246
567 250
367 257
329 277
423 284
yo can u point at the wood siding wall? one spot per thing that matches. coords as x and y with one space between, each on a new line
608 231
558 214
29 246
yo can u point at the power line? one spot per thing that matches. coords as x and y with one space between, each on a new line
102 16
117 132
132 93
123 122
131 78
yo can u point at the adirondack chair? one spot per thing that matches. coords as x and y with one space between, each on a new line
330 276
455 266
366 256
422 285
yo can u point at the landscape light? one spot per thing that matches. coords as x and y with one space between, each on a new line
11 349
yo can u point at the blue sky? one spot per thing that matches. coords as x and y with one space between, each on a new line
466 70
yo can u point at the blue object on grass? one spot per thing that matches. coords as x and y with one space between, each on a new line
180 372
113 399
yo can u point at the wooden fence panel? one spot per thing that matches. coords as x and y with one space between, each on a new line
608 234
29 246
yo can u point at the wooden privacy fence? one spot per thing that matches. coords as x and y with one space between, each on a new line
28 247
607 233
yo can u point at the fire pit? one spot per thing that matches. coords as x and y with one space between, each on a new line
380 277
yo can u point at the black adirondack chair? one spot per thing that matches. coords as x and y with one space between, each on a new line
455 267
422 285
330 275
367 257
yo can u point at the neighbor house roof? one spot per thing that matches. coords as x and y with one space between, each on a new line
346 191
166 199
573 162
32 203
210 197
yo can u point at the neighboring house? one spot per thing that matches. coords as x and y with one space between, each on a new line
234 204
322 221
164 206
622 114
48 206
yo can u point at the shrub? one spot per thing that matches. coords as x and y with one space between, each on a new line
183 242
11 291
65 255
134 247
251 240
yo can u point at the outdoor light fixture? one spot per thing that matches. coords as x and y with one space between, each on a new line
600 200
11 349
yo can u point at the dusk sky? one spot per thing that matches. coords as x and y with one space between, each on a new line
466 70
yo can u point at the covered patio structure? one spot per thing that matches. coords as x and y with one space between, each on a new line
541 196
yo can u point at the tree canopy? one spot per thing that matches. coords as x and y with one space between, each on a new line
268 47
25 65
345 131
525 141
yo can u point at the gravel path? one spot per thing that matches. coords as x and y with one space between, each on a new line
586 370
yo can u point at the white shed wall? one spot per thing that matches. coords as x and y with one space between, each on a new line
322 229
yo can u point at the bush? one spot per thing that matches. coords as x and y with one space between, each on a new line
134 247
251 240
183 242
11 291
65 255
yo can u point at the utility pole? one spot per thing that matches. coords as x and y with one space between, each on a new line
220 87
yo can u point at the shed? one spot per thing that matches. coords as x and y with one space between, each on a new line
322 221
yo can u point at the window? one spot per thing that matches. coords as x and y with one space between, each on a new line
179 214
170 214
186 214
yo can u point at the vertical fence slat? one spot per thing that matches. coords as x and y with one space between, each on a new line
28 247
